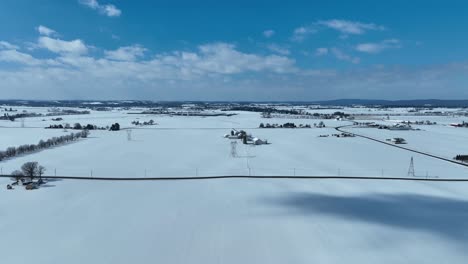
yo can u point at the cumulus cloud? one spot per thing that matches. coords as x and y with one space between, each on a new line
279 49
7 45
268 33
224 58
90 3
75 75
108 9
129 53
345 27
321 51
208 60
76 46
161 79
301 33
43 30
378 47
213 71
14 56
112 11
339 54
350 27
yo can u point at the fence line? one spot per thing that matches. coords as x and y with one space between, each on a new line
153 172
316 177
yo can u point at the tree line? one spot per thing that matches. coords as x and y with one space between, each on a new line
43 144
76 126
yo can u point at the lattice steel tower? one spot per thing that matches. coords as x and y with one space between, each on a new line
411 168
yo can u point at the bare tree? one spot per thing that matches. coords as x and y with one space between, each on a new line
17 175
11 152
30 169
40 171
85 133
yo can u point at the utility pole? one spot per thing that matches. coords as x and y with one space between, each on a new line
233 148
129 134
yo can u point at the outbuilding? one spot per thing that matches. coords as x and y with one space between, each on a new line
257 141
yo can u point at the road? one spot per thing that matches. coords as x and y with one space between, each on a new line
339 128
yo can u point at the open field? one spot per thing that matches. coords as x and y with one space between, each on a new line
234 220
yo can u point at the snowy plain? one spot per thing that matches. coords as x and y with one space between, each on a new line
235 220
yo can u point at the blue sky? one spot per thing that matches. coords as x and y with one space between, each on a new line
209 50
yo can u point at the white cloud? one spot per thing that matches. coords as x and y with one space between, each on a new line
108 9
321 51
90 3
76 75
369 47
350 27
378 47
14 56
343 26
224 58
268 33
339 54
76 46
129 53
112 11
219 71
161 79
207 61
279 49
215 71
45 31
301 33
8 45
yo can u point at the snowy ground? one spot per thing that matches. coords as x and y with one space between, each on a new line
236 220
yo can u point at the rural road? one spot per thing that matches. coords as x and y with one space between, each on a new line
339 128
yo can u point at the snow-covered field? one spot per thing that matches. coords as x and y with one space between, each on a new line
235 220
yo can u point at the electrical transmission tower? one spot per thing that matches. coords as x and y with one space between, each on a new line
411 168
22 122
129 134
233 148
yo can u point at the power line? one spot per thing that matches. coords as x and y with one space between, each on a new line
252 177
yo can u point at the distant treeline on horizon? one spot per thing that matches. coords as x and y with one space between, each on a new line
146 103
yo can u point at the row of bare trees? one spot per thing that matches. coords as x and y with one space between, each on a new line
43 144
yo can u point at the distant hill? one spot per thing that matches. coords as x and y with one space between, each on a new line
142 103
397 103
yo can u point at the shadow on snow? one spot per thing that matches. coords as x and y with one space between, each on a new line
438 215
